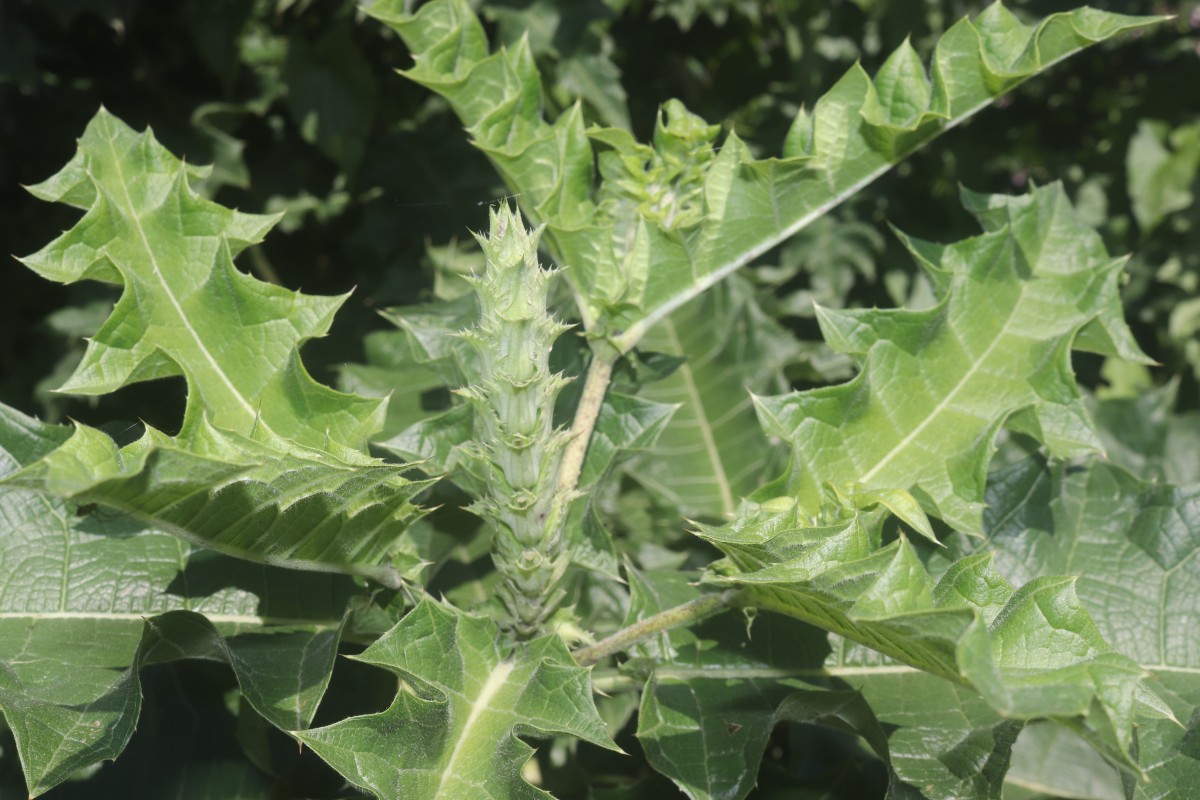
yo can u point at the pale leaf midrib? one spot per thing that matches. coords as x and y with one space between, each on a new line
655 315
780 673
1172 669
1043 789
949 397
865 671
710 445
68 738
379 572
481 703
136 220
64 585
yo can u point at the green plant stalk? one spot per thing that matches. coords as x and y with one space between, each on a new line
516 442
595 386
688 613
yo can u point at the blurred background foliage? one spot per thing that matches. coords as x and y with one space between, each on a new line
297 105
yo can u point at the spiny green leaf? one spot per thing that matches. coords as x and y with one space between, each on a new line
239 497
430 335
1082 519
581 49
89 597
391 371
625 426
744 206
451 732
186 310
939 739
499 97
936 385
269 465
438 444
430 330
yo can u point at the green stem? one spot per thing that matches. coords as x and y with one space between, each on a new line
595 386
686 614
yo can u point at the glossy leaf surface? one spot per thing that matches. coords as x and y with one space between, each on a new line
934 388
1134 545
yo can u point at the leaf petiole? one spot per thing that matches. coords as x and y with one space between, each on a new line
685 614
595 386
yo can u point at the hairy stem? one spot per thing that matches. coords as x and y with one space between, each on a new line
686 614
595 386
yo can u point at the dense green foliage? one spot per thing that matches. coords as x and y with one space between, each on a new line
687 476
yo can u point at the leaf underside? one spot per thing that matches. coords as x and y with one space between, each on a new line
713 452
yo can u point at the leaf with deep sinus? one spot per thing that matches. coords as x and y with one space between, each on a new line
936 385
694 217
186 310
280 456
451 731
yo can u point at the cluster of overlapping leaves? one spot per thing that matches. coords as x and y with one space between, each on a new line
975 620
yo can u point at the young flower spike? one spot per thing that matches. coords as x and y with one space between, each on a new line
516 445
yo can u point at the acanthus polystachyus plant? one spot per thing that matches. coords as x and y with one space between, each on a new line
901 586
